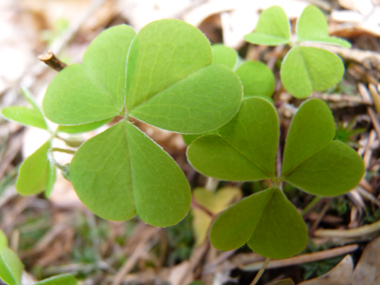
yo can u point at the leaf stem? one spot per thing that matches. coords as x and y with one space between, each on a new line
64 168
311 205
261 271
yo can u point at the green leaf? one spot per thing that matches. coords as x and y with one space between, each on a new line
82 128
95 90
272 29
33 173
171 83
3 240
305 69
225 55
312 161
65 279
50 180
312 27
311 129
256 78
11 267
121 172
238 153
25 116
266 220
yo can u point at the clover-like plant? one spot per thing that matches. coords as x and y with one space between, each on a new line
304 69
11 268
164 76
245 149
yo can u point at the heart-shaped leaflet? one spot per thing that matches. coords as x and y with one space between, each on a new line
266 220
313 161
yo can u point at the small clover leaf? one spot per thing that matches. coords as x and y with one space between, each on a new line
95 90
312 27
305 69
272 29
11 267
238 152
26 116
36 173
121 172
314 162
267 221
245 149
257 79
64 279
225 55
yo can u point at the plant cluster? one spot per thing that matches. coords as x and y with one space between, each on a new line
169 76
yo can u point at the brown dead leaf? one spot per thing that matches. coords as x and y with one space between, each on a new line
367 272
339 275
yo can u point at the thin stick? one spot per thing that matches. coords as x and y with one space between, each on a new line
51 60
211 184
349 233
261 271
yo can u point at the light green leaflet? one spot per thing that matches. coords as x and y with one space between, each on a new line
312 161
225 55
26 116
3 240
10 267
305 69
36 174
272 29
66 279
163 76
245 148
267 221
256 78
312 27
121 172
95 90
